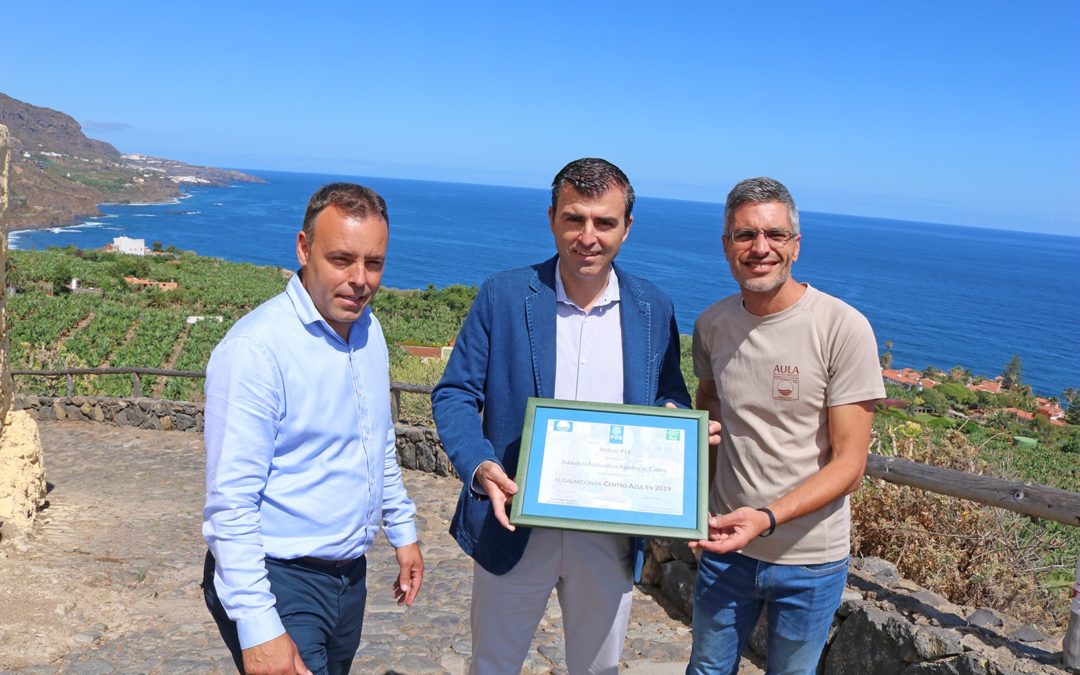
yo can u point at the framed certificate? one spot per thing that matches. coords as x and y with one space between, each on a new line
604 467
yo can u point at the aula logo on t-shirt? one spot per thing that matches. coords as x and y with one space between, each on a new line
785 383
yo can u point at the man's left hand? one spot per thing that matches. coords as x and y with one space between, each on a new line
732 531
411 574
714 433
714 427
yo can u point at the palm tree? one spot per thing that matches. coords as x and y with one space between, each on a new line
886 356
960 374
1011 374
1071 399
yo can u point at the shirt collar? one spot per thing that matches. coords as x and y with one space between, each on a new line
609 296
308 313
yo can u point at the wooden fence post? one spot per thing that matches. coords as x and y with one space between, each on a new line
1071 644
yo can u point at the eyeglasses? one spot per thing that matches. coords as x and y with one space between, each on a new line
776 238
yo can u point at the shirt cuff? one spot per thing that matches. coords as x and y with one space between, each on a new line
260 628
401 534
476 486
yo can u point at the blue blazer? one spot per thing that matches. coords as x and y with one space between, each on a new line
504 354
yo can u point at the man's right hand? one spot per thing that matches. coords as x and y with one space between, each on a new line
274 657
499 488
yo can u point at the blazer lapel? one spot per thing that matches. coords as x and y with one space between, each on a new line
540 323
636 320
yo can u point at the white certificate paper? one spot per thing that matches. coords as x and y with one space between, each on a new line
612 466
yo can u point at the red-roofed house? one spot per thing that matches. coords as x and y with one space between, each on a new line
1020 414
989 386
908 378
1048 408
898 377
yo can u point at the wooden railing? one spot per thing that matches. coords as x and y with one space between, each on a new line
1030 499
396 388
136 382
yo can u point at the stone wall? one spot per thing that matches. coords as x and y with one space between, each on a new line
145 413
418 447
886 625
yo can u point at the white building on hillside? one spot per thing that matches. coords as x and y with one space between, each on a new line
129 245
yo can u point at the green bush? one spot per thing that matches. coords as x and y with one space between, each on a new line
957 394
941 423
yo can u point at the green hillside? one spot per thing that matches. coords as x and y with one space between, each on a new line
109 322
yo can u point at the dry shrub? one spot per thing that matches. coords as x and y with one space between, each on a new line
970 553
416 408
48 357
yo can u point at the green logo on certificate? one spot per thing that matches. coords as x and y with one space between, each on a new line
674 434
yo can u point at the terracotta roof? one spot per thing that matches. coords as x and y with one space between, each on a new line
990 386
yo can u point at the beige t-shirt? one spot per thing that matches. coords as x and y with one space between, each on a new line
777 376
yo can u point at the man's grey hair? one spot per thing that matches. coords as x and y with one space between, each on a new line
758 191
592 177
356 201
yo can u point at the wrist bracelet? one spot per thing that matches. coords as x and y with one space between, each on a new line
772 522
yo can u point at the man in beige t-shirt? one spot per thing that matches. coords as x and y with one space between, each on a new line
792 374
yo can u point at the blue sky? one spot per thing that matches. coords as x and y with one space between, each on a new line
954 112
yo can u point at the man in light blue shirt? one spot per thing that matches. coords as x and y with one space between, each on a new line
301 465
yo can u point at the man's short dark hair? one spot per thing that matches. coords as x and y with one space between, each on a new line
760 190
592 177
355 200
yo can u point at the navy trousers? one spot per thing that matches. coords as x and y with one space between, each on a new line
320 604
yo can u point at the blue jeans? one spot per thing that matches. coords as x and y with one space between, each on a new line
799 601
320 605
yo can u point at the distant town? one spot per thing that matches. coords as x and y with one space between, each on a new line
910 379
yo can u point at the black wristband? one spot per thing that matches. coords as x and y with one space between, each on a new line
772 522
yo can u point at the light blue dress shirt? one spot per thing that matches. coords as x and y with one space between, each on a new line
300 451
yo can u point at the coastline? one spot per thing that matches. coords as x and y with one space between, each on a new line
175 198
895 274
83 220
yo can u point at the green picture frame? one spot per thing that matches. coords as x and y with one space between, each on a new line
614 468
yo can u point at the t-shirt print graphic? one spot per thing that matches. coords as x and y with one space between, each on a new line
785 383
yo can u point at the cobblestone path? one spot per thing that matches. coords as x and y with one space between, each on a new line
108 579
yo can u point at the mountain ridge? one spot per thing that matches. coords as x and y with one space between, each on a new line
58 174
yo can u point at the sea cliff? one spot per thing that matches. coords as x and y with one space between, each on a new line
59 175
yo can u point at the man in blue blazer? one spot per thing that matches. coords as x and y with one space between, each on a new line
573 327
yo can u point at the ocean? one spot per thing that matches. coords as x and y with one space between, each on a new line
943 295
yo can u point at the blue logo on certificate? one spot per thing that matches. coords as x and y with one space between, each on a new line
615 434
563 425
